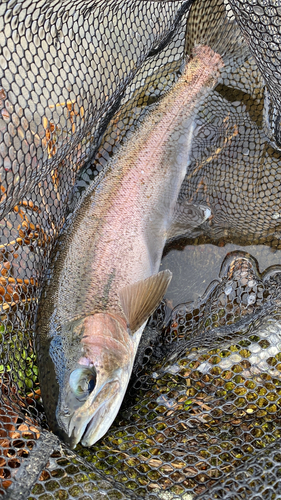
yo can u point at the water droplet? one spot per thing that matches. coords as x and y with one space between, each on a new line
168 403
251 299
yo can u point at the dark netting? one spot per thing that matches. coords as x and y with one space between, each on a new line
260 22
201 417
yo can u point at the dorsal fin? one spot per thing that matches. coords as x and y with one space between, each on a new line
140 299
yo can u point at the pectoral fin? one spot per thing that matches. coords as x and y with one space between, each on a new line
187 217
140 299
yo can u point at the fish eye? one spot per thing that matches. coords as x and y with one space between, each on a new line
91 384
82 382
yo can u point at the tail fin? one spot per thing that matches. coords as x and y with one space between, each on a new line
212 23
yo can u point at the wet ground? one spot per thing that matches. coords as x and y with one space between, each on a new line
194 266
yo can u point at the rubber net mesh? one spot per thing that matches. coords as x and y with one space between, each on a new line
201 418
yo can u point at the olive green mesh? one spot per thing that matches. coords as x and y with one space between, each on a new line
201 418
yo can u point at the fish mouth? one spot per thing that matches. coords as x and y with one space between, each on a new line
89 430
87 436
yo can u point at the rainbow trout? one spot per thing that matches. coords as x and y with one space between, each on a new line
103 281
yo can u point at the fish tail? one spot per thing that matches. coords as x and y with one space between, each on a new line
212 23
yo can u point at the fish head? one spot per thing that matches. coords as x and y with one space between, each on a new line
95 378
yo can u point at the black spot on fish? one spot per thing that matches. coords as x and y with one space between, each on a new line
107 288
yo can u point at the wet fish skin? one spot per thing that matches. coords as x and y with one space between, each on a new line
102 285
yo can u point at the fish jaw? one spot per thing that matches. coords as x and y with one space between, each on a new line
107 350
91 421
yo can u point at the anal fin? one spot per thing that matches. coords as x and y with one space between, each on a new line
140 299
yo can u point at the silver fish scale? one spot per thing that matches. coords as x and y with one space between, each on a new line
201 418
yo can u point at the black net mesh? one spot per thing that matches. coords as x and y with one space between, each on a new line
201 416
